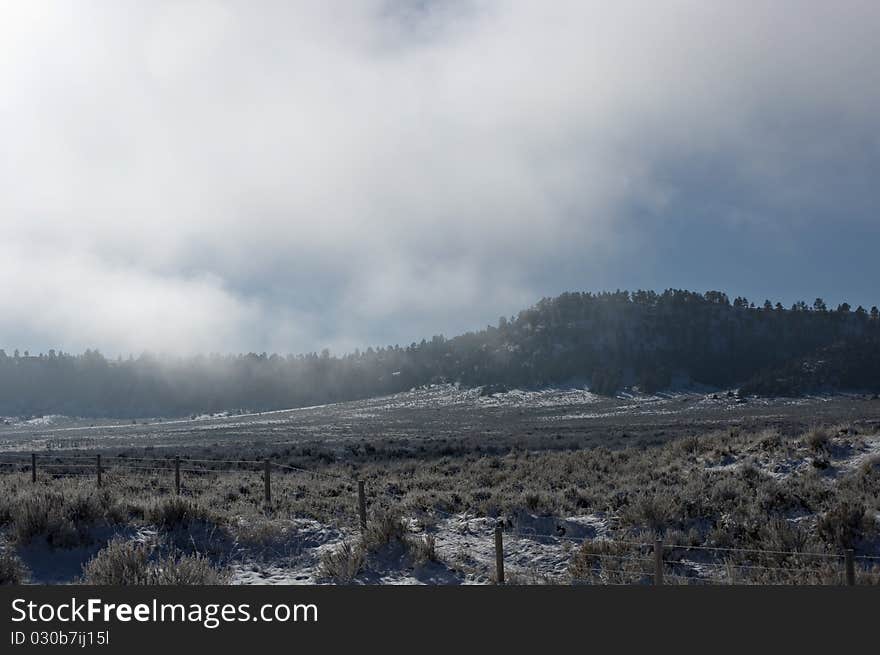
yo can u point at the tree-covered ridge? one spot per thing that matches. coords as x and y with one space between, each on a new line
608 340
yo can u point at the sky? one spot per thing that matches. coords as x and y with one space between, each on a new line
210 176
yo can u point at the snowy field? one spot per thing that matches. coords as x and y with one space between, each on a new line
443 412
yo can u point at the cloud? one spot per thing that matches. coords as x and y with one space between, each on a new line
194 176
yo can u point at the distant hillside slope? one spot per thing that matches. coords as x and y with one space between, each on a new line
607 340
853 364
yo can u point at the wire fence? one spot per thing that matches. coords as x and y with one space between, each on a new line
596 560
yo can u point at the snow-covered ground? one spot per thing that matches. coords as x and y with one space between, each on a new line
536 549
839 458
37 422
441 411
565 400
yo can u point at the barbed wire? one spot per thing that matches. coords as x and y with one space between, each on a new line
57 474
138 459
621 558
531 532
623 542
61 460
48 453
867 557
223 461
332 476
109 463
753 550
694 579
608 572
756 567
416 505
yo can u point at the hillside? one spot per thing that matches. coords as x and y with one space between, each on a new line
852 364
609 340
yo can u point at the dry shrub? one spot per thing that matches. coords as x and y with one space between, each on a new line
689 446
842 525
422 549
41 514
62 519
190 570
12 571
383 528
343 563
654 512
120 563
870 466
128 563
262 534
176 512
817 439
608 562
783 536
540 502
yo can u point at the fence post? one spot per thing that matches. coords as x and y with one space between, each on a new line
33 467
268 486
499 555
850 568
362 506
98 469
177 474
658 562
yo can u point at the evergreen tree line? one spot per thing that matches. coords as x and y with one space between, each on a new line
608 340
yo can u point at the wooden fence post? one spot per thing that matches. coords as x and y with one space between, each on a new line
362 506
33 467
850 568
177 474
98 469
658 562
267 484
499 556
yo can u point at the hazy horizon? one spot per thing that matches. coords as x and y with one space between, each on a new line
162 353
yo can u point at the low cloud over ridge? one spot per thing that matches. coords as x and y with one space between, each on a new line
203 176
